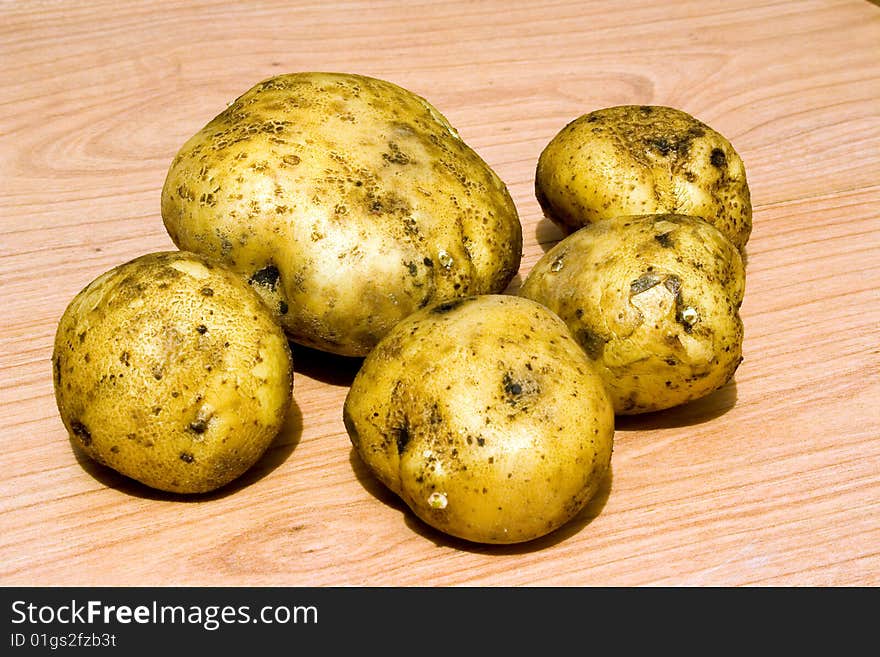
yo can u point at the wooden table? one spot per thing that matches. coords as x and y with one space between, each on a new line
773 480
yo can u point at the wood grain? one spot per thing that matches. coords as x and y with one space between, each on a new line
774 480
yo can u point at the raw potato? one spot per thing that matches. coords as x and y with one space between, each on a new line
643 159
485 417
171 370
654 302
347 201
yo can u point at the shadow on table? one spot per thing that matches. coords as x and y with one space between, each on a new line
514 285
701 410
547 234
325 367
277 453
572 527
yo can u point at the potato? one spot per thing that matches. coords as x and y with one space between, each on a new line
171 370
485 417
347 201
654 302
643 159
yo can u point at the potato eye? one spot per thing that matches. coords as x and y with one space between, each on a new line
437 500
267 277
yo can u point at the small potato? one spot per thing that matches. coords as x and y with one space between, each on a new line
171 370
643 159
348 202
654 302
485 417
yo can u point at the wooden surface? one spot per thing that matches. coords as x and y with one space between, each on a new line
774 480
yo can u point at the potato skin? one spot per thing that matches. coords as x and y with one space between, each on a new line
653 300
171 370
643 159
348 201
485 417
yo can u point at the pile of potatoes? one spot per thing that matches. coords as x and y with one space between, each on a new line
344 213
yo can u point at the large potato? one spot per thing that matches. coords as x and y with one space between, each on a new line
643 159
171 370
485 417
654 302
347 201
